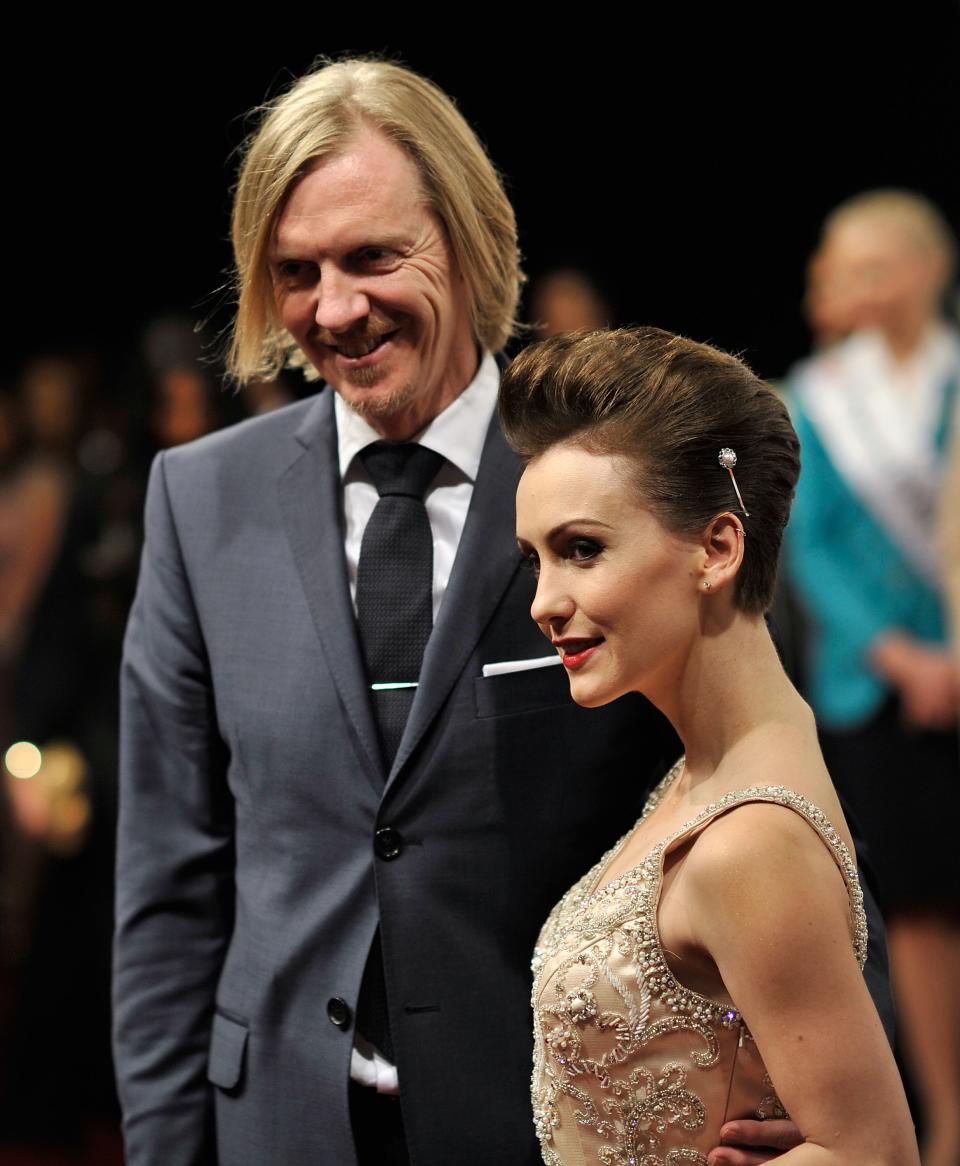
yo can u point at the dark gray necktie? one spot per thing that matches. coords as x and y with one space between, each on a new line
395 581
395 618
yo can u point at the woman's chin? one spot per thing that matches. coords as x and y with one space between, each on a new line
588 696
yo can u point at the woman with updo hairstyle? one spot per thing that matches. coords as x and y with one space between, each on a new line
708 969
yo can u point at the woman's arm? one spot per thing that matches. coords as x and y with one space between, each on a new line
769 904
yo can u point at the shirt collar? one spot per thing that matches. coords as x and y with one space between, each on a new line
458 433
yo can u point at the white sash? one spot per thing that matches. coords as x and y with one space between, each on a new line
881 439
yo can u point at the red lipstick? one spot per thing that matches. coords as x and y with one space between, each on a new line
574 653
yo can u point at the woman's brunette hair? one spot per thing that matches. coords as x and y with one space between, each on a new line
667 406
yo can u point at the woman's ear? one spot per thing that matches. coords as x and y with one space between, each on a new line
722 554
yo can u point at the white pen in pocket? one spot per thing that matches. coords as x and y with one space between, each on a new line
504 666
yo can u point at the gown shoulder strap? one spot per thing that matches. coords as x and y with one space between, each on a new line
812 815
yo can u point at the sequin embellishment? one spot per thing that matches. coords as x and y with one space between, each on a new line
622 1049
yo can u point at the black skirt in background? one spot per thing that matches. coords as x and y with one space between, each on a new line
903 788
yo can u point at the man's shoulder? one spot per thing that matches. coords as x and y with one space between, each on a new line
241 464
262 433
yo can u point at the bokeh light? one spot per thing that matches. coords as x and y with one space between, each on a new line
23 759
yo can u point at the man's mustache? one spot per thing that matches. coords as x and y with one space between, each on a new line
373 328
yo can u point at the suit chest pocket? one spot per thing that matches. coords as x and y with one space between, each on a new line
521 692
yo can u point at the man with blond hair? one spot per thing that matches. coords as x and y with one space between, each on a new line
352 784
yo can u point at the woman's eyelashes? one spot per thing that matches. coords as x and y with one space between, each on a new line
578 550
583 550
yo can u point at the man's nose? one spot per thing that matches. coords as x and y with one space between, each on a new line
341 302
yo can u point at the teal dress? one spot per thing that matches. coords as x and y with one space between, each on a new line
854 581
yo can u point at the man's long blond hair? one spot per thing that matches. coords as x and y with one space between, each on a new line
316 118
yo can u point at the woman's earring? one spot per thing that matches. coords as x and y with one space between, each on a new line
707 584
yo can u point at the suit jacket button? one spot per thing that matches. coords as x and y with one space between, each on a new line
338 1011
387 842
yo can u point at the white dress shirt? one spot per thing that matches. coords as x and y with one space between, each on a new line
458 433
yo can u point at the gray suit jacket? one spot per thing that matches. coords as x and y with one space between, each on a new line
249 886
249 881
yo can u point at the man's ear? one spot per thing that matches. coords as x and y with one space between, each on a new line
722 552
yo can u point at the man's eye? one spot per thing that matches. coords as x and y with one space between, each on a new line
293 270
583 550
375 257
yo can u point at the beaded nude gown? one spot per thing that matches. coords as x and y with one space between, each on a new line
630 1067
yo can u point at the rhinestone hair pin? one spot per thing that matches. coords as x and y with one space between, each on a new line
728 459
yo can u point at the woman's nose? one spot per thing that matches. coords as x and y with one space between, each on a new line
552 605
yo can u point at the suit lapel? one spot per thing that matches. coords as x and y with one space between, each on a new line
310 502
486 561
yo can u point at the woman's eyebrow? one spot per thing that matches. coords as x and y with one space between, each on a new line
567 523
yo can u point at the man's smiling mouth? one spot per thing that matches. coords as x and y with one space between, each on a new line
354 349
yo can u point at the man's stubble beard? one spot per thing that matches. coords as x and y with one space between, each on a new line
378 405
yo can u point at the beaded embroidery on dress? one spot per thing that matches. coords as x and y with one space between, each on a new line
630 1067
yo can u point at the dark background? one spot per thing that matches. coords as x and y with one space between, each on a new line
686 163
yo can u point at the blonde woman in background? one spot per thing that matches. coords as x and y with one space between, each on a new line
949 520
874 413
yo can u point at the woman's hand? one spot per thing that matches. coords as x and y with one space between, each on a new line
754 1142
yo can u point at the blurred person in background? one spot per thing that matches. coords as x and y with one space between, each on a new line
567 300
949 523
183 404
28 508
55 890
874 413
74 453
182 407
829 303
32 507
263 396
54 395
828 310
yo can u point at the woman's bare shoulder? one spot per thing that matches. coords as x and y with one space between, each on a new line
760 855
789 756
758 832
